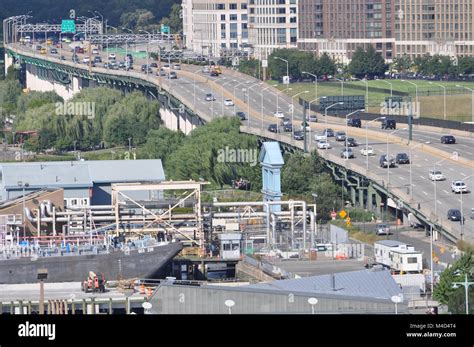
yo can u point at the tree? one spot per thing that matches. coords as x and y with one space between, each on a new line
402 64
444 291
367 64
325 65
161 143
175 19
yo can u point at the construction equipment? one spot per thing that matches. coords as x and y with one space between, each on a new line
94 283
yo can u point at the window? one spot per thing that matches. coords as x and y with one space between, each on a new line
281 20
292 19
222 16
243 6
221 6
223 26
73 202
235 246
412 260
85 202
281 10
233 17
232 6
244 17
226 246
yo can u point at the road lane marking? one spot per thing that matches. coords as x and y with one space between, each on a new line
425 193
445 191
422 177
439 202
463 174
400 177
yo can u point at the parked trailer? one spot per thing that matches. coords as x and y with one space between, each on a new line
398 256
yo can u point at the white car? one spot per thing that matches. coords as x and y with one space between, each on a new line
321 137
278 114
95 51
367 151
458 187
86 60
323 144
436 175
228 102
112 56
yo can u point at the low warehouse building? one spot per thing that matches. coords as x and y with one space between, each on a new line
356 292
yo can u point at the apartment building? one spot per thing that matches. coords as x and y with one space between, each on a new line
272 24
392 27
215 27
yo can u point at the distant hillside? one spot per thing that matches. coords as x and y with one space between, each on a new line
53 10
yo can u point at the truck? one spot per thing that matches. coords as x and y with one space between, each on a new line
398 256
215 70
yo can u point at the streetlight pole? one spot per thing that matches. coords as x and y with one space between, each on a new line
472 92
444 96
346 157
342 85
466 285
238 84
287 72
315 83
248 100
261 104
411 173
194 85
129 144
367 141
416 89
366 93
147 50
293 113
391 87
388 158
222 95
126 41
326 114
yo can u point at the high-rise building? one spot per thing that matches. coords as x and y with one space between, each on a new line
215 27
272 24
393 27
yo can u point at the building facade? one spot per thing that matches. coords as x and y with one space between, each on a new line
393 27
273 24
215 28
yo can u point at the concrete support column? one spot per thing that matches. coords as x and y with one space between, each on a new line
362 192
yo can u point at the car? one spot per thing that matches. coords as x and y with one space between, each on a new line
312 118
166 66
43 51
448 139
402 158
129 57
285 121
210 97
97 59
389 124
382 229
113 65
75 59
321 137
340 136
38 48
205 69
288 127
454 215
154 65
122 65
95 51
172 75
436 175
458 187
367 151
354 122
323 144
347 153
86 60
241 115
161 72
273 128
228 102
328 132
106 66
177 67
385 163
351 142
112 56
278 114
53 51
298 135
214 73
79 50
305 126
62 57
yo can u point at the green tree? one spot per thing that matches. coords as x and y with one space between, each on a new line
175 19
325 65
444 291
367 63
402 64
161 143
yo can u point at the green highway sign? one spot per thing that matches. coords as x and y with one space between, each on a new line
165 29
68 26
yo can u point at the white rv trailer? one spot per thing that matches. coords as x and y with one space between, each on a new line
398 256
